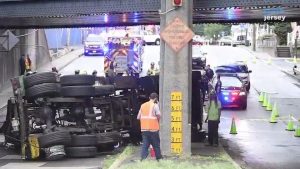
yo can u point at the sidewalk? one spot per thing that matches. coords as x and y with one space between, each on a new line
205 157
284 64
59 63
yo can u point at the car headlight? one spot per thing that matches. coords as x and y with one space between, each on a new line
242 93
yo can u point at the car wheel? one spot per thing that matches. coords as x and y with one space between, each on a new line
79 152
248 87
39 78
104 90
244 106
54 138
83 140
78 91
157 42
43 90
77 80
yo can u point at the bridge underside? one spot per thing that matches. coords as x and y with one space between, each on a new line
83 13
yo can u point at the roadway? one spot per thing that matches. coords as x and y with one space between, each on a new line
258 144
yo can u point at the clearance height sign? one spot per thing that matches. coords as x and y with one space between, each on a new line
176 122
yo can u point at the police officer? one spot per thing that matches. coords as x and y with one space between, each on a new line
213 119
152 71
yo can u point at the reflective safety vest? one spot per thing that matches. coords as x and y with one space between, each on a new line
148 120
213 111
152 72
27 64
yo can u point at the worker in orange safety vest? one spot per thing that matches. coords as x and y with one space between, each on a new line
149 116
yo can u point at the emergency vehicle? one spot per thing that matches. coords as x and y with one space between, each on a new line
125 53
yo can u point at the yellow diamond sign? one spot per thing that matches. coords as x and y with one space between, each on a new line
177 34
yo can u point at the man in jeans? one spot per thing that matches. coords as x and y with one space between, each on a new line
149 116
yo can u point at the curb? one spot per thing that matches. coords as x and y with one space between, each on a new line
291 75
71 61
121 158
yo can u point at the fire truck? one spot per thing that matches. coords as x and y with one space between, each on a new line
125 55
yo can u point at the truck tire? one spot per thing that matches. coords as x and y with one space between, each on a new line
39 78
43 90
125 82
79 152
83 140
104 90
108 137
77 80
78 91
55 138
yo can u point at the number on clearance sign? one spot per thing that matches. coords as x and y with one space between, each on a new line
176 96
176 127
176 106
176 148
176 137
176 116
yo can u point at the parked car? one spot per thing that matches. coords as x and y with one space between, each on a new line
233 91
226 40
239 68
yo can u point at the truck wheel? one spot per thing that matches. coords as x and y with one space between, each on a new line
78 152
39 78
108 137
157 42
77 80
43 90
125 82
104 90
83 140
78 91
55 138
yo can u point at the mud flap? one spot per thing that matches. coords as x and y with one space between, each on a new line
31 150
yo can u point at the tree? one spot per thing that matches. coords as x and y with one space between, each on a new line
211 30
198 29
281 30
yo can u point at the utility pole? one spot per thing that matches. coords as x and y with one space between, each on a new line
175 76
253 37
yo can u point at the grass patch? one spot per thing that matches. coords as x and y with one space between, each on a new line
187 164
110 160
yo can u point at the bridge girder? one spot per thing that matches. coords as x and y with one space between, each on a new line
85 13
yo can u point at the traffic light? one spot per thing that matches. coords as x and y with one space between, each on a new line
177 3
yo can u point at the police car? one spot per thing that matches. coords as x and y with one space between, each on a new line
233 91
239 68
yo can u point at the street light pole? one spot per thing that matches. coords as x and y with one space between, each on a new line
296 42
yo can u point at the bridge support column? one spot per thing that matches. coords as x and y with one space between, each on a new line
175 75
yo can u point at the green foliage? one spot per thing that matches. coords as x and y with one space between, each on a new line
281 30
216 29
198 29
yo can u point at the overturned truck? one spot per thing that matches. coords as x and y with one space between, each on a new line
52 117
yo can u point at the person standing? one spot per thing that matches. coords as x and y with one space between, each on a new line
22 64
218 85
149 116
209 72
213 119
27 63
152 71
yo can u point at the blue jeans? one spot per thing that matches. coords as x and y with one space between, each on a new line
151 138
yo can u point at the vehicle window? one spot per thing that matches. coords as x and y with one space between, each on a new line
228 81
232 69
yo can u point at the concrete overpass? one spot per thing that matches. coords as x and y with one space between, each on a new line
87 13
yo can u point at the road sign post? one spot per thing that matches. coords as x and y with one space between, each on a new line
175 77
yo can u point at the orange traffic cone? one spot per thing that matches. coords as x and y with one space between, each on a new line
152 153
